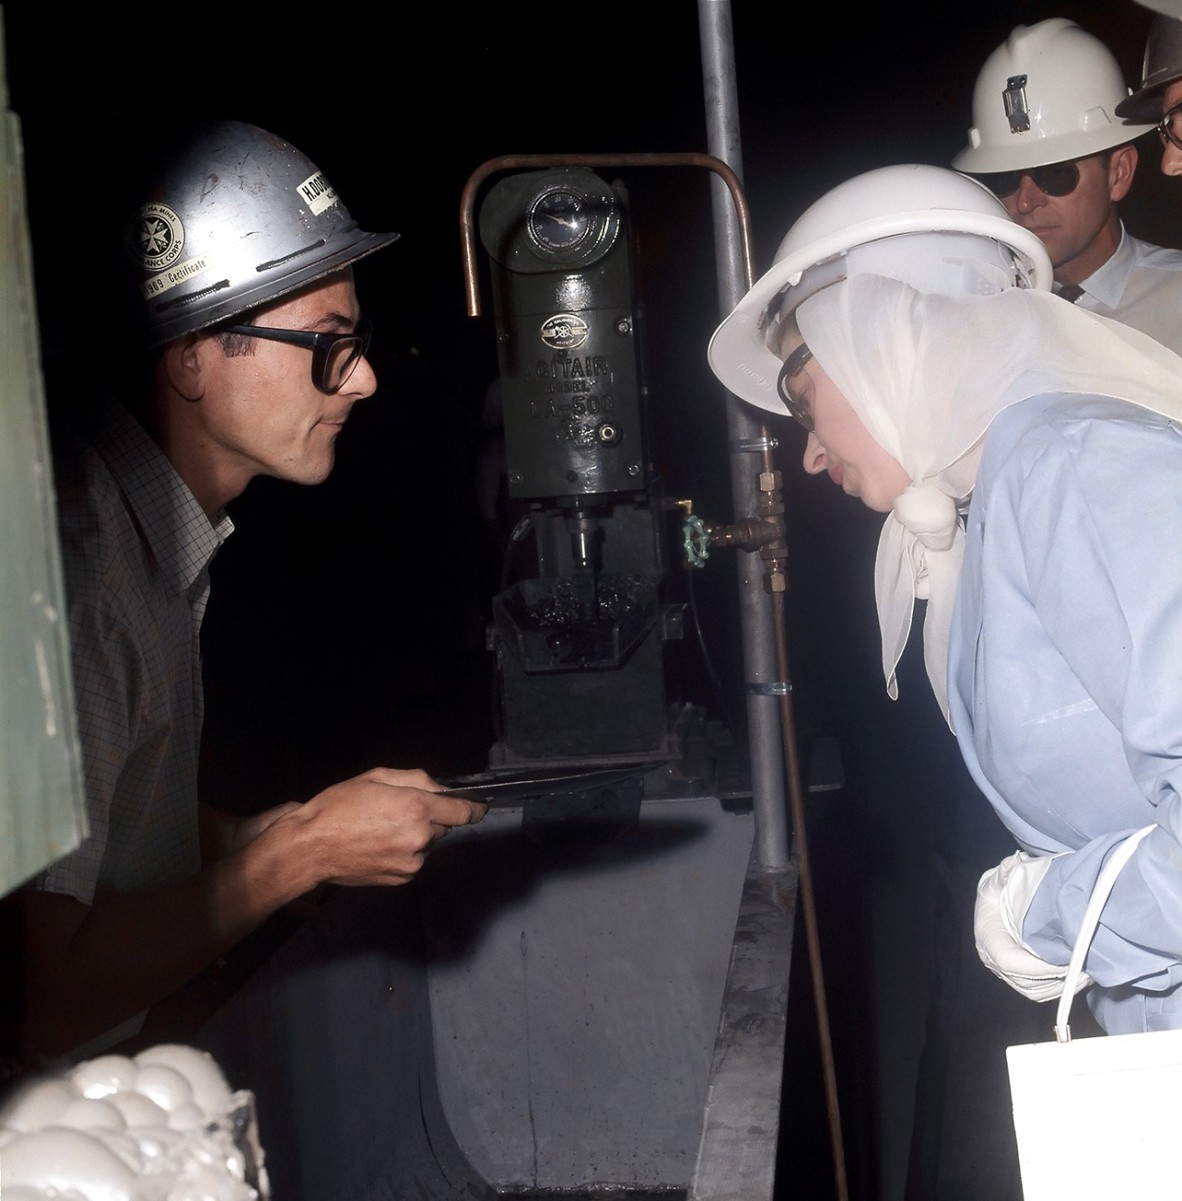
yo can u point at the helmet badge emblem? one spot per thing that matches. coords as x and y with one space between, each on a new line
1014 99
156 237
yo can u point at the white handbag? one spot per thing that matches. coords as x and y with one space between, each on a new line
1098 1117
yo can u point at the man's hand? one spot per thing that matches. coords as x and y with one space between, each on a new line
373 829
87 967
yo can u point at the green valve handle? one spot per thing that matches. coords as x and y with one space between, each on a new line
697 541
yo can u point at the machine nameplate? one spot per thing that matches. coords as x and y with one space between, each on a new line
592 406
564 367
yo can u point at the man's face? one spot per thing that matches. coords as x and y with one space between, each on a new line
261 413
1171 157
1081 230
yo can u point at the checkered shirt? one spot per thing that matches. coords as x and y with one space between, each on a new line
136 548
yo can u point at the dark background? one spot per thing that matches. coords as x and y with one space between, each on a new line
346 626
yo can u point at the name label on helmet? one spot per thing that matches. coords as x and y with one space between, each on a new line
318 193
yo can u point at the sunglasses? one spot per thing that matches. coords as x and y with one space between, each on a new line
1055 179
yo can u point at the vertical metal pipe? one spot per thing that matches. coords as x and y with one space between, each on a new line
744 431
765 656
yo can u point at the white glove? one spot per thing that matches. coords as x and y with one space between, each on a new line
1003 896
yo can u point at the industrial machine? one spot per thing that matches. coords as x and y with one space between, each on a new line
578 646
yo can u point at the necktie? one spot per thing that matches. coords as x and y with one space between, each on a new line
1071 293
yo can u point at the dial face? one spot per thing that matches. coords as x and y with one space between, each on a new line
559 220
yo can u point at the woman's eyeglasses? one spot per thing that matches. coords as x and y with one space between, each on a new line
793 365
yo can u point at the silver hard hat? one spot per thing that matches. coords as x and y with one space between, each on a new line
235 219
1163 66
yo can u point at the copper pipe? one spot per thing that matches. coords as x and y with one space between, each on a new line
766 534
809 907
532 162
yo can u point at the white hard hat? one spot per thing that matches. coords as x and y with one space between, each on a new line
1047 94
926 226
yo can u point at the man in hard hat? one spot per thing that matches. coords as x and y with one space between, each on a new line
1047 139
1159 98
243 258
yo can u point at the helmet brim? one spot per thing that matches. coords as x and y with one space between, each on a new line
1145 104
169 326
1040 152
738 353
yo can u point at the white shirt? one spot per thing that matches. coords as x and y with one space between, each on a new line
1139 286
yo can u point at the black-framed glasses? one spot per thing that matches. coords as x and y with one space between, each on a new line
334 356
793 365
1169 128
1055 179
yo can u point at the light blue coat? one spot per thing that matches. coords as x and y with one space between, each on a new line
1065 679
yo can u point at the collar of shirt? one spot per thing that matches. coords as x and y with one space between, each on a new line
182 538
1107 282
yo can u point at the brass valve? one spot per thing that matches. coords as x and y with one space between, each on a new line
764 533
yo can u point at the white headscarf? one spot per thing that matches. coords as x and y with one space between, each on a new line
926 375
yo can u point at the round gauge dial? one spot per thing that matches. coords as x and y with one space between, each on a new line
559 220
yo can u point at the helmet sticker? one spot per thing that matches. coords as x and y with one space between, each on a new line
1014 100
155 237
173 276
318 193
564 331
